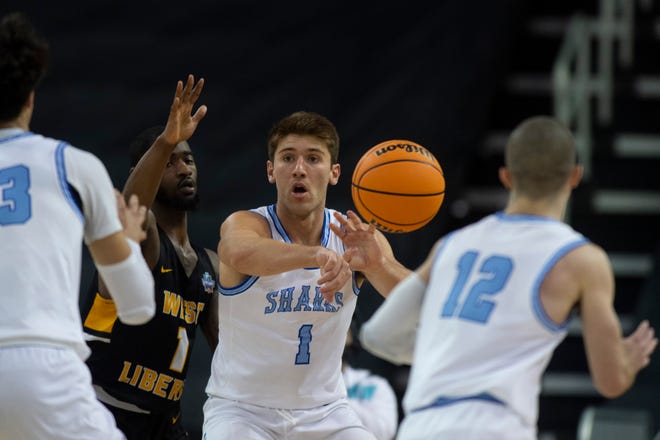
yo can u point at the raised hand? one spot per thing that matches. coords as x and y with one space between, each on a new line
181 122
132 216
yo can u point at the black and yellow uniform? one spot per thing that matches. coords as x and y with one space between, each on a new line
141 369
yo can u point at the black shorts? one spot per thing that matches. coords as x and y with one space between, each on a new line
154 426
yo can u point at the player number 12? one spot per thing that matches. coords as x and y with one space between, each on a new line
495 269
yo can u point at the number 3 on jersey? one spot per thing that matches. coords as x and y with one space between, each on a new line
15 202
494 272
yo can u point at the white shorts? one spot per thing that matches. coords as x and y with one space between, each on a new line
467 420
231 420
46 393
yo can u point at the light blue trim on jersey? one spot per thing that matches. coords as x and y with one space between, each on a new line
325 234
242 287
325 231
503 216
247 283
356 288
278 224
444 401
536 298
64 185
15 136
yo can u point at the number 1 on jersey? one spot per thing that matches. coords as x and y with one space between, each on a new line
181 353
305 337
496 270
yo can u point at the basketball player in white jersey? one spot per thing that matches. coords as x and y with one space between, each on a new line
52 196
287 296
492 301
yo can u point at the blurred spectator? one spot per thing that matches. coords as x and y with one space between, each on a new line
370 395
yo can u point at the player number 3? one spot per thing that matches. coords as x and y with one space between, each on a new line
15 201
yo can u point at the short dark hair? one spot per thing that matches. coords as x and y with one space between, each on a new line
540 154
142 142
23 63
305 123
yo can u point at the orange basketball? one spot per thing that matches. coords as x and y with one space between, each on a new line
398 186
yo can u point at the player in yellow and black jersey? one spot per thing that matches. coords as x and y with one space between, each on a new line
139 372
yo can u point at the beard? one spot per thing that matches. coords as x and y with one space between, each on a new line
178 203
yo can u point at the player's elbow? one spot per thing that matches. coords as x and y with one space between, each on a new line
374 343
368 339
237 257
238 260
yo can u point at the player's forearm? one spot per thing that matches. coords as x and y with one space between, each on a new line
263 257
145 178
617 381
612 372
387 275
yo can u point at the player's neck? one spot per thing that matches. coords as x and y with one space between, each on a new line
552 208
21 121
305 229
173 222
15 123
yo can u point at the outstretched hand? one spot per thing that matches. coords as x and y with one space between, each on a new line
640 345
181 122
363 251
132 216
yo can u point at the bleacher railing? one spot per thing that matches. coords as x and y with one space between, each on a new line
576 79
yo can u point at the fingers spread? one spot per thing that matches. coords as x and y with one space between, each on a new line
353 216
174 108
197 90
341 233
190 83
200 113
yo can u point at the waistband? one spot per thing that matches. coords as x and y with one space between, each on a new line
444 401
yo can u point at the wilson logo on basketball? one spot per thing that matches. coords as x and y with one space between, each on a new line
408 148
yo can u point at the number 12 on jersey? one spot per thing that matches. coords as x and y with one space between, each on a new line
494 272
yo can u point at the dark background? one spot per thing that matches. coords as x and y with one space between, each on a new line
425 71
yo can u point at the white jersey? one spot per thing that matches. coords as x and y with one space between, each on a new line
483 332
280 343
41 231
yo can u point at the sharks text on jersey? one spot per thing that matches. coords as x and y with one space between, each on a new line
291 300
